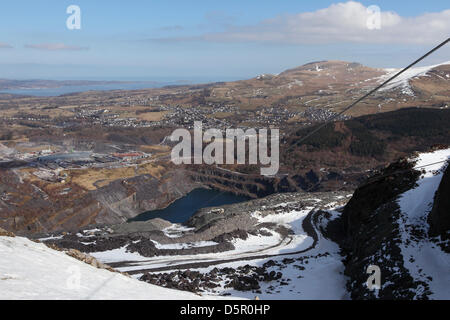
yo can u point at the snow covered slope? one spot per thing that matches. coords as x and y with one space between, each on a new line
30 270
402 81
425 260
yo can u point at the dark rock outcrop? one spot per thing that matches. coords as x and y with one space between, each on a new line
439 217
371 230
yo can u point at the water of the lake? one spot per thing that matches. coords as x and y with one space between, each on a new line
182 209
49 92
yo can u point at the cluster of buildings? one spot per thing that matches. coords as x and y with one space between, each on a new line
319 115
273 115
53 160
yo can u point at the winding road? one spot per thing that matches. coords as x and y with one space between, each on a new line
193 263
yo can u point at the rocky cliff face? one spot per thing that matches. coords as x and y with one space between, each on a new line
26 208
371 232
37 207
251 185
384 224
125 199
29 204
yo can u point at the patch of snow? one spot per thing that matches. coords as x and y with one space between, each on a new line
188 245
92 230
118 254
255 243
176 230
51 238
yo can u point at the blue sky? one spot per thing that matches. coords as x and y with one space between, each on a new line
210 40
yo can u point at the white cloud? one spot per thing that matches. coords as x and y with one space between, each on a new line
340 22
55 47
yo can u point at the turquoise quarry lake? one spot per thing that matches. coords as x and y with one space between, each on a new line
182 209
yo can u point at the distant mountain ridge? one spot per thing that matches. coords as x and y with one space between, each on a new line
328 85
9 84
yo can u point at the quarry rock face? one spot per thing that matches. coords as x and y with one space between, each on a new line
392 222
371 232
